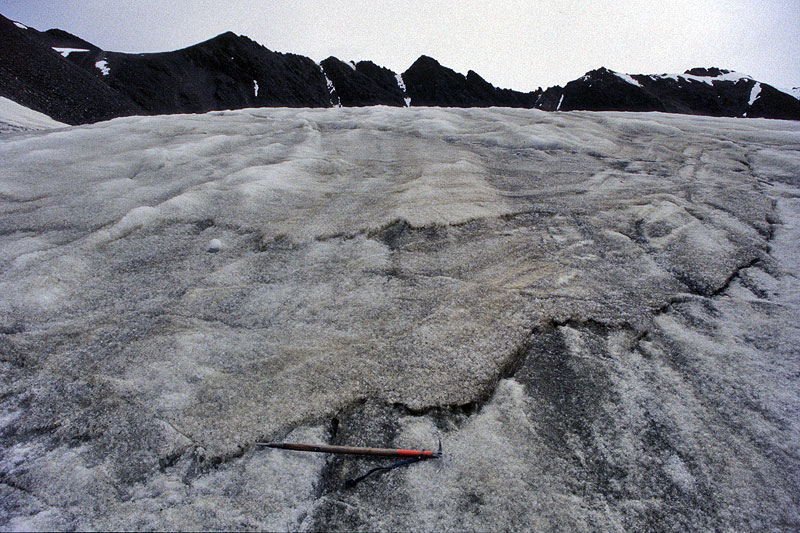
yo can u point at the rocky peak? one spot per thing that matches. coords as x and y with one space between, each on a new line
366 84
712 72
61 38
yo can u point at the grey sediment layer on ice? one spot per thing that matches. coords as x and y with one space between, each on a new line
596 312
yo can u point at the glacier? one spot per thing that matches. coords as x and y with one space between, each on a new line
597 313
16 117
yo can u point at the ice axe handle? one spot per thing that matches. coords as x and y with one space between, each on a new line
352 450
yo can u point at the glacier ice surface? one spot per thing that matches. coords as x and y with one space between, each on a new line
596 312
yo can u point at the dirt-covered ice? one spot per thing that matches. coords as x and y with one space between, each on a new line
597 313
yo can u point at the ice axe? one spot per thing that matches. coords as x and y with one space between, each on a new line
411 456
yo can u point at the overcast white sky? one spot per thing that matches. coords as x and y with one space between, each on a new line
516 44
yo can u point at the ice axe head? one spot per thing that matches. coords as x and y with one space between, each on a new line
438 453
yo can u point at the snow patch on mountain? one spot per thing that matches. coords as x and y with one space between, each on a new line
14 117
255 88
402 85
400 82
724 76
67 51
334 98
351 64
20 25
102 65
754 93
560 101
628 78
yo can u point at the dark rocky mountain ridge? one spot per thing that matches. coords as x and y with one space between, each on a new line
87 84
698 91
431 84
36 76
62 39
363 84
226 72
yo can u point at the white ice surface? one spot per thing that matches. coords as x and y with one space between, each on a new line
16 116
399 256
67 51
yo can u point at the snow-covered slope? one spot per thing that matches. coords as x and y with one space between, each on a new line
14 116
596 312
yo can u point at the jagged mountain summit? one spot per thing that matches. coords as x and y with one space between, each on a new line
226 72
75 81
364 83
430 84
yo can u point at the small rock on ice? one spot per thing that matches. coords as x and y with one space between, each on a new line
214 246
